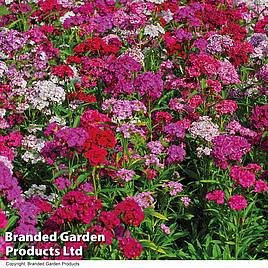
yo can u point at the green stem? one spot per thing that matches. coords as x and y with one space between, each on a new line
150 120
237 236
94 182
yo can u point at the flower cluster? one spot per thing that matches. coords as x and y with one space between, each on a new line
44 93
130 212
245 176
76 205
237 202
117 112
204 128
229 148
173 187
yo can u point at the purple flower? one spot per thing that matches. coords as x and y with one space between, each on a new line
62 183
74 137
183 35
156 147
125 174
218 43
28 213
263 73
8 184
144 200
87 187
201 44
175 130
175 153
228 73
173 187
149 84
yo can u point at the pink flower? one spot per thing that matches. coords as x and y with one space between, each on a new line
3 219
130 247
226 107
259 117
165 229
216 195
245 176
237 202
186 201
228 147
242 176
3 246
260 186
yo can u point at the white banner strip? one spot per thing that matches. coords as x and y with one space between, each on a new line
135 264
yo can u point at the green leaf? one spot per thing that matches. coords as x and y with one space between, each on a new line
210 181
216 251
82 178
191 173
76 121
151 245
11 222
4 11
156 214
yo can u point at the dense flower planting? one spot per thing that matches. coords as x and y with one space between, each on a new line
142 120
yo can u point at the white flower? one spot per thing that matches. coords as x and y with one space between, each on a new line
8 2
251 3
3 68
58 120
156 1
45 93
204 128
167 15
32 142
35 190
2 112
7 163
66 16
153 30
136 54
65 3
32 157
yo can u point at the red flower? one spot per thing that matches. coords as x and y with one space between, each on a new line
99 230
195 101
226 107
73 59
82 96
80 48
43 205
130 212
100 137
109 219
47 28
96 155
62 71
130 247
77 205
93 117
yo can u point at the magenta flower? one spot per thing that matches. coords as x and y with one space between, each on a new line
237 202
3 219
216 195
